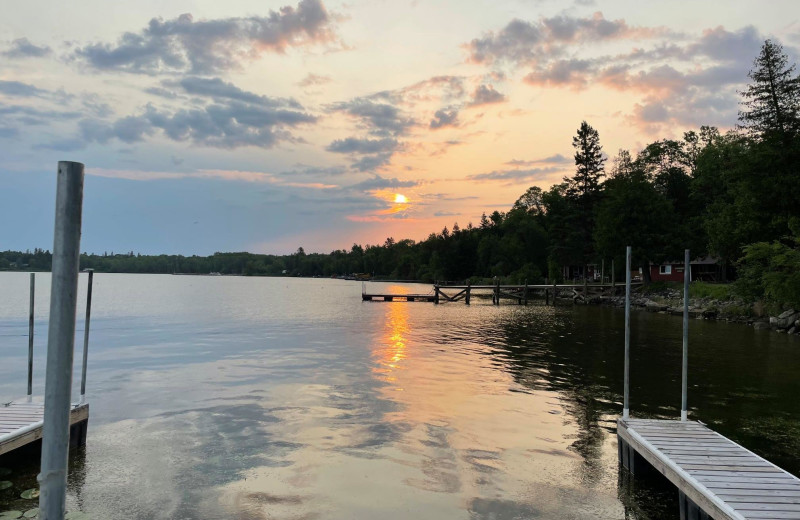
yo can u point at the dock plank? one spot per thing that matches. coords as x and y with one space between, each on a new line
724 479
21 422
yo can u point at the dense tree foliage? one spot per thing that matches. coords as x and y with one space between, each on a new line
734 196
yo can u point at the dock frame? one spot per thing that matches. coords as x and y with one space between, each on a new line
22 422
716 478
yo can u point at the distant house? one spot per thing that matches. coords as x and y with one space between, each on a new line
704 269
576 273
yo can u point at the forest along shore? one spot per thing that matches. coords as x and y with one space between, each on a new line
733 310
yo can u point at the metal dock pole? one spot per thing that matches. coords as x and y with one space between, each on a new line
30 338
61 341
685 369
626 398
86 334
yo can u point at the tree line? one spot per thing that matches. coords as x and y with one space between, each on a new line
735 196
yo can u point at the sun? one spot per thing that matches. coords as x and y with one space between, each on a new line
400 199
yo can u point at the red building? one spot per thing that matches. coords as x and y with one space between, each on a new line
704 269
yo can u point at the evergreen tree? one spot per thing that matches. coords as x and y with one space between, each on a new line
589 163
583 190
772 100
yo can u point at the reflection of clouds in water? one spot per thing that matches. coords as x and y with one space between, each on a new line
499 509
178 459
400 411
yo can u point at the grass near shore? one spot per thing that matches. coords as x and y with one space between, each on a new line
716 291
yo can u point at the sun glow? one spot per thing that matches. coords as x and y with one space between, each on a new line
400 199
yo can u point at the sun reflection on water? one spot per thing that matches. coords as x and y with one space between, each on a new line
393 347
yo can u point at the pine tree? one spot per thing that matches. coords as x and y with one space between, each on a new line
588 161
772 101
583 190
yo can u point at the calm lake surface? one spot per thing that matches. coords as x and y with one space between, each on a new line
274 398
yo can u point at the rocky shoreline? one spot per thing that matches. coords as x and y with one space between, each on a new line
732 311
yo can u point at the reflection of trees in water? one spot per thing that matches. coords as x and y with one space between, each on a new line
553 357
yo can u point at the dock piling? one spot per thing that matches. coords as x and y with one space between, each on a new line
525 295
613 280
626 400
685 368
30 337
436 294
603 270
466 297
86 334
61 341
586 284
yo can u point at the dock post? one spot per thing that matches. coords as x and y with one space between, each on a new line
685 368
613 280
61 341
30 337
436 294
626 394
586 284
86 334
554 293
525 296
466 297
496 290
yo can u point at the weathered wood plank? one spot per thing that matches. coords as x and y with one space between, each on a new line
724 479
18 430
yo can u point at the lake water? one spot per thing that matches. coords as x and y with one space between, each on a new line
274 398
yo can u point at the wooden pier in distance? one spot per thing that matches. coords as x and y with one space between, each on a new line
516 293
398 297
716 478
21 423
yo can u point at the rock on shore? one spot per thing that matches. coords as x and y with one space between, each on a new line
671 302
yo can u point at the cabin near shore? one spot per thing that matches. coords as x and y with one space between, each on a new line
706 269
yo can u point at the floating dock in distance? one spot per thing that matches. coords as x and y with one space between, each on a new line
399 297
21 423
716 478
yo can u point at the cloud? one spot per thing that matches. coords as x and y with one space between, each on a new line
209 46
485 95
571 72
552 159
515 175
218 89
679 80
221 125
22 48
444 117
521 42
321 171
314 80
19 89
721 44
162 92
372 162
8 132
362 146
382 183
380 119
34 116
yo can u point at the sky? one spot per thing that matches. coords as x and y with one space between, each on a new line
265 126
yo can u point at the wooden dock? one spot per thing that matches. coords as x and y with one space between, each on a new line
716 478
21 423
399 297
519 294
